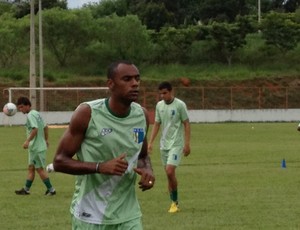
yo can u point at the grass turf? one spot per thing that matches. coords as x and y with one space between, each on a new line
233 179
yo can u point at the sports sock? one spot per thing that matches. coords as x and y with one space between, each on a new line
174 196
28 185
48 184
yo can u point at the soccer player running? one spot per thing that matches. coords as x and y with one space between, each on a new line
36 143
171 114
108 136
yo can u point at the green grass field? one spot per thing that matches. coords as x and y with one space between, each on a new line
233 179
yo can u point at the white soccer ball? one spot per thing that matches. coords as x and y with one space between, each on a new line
10 109
50 168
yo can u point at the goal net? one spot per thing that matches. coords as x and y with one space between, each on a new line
56 98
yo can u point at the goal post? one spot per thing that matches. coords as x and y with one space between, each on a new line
57 98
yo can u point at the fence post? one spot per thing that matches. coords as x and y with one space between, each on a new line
286 98
231 98
203 97
259 97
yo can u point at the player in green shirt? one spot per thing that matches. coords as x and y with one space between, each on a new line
171 114
36 143
108 137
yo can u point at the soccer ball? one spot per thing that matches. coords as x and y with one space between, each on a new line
10 109
50 168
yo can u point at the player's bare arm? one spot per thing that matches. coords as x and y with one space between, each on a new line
46 135
154 133
144 168
70 144
187 136
33 133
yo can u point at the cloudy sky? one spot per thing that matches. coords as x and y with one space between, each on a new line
78 3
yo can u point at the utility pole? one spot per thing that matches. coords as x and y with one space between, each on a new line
32 68
41 72
258 11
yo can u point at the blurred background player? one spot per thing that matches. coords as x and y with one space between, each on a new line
171 114
36 143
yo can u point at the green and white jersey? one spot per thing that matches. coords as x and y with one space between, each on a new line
34 120
171 116
106 199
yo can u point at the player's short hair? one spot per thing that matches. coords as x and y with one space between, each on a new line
23 101
112 68
165 85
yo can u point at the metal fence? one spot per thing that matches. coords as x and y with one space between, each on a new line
202 98
196 98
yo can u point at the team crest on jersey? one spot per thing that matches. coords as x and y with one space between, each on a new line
105 131
138 135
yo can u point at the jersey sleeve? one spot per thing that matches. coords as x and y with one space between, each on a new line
32 121
183 112
157 115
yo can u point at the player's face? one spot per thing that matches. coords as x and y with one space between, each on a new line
166 95
23 108
125 84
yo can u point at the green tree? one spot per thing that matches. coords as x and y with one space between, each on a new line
223 11
14 37
155 16
124 37
228 38
281 30
66 32
5 7
22 7
108 7
291 5
172 45
285 5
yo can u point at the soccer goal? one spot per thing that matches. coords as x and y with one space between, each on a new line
56 98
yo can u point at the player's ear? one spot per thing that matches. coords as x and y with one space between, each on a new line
110 83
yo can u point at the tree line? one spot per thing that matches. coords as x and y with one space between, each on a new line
153 32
